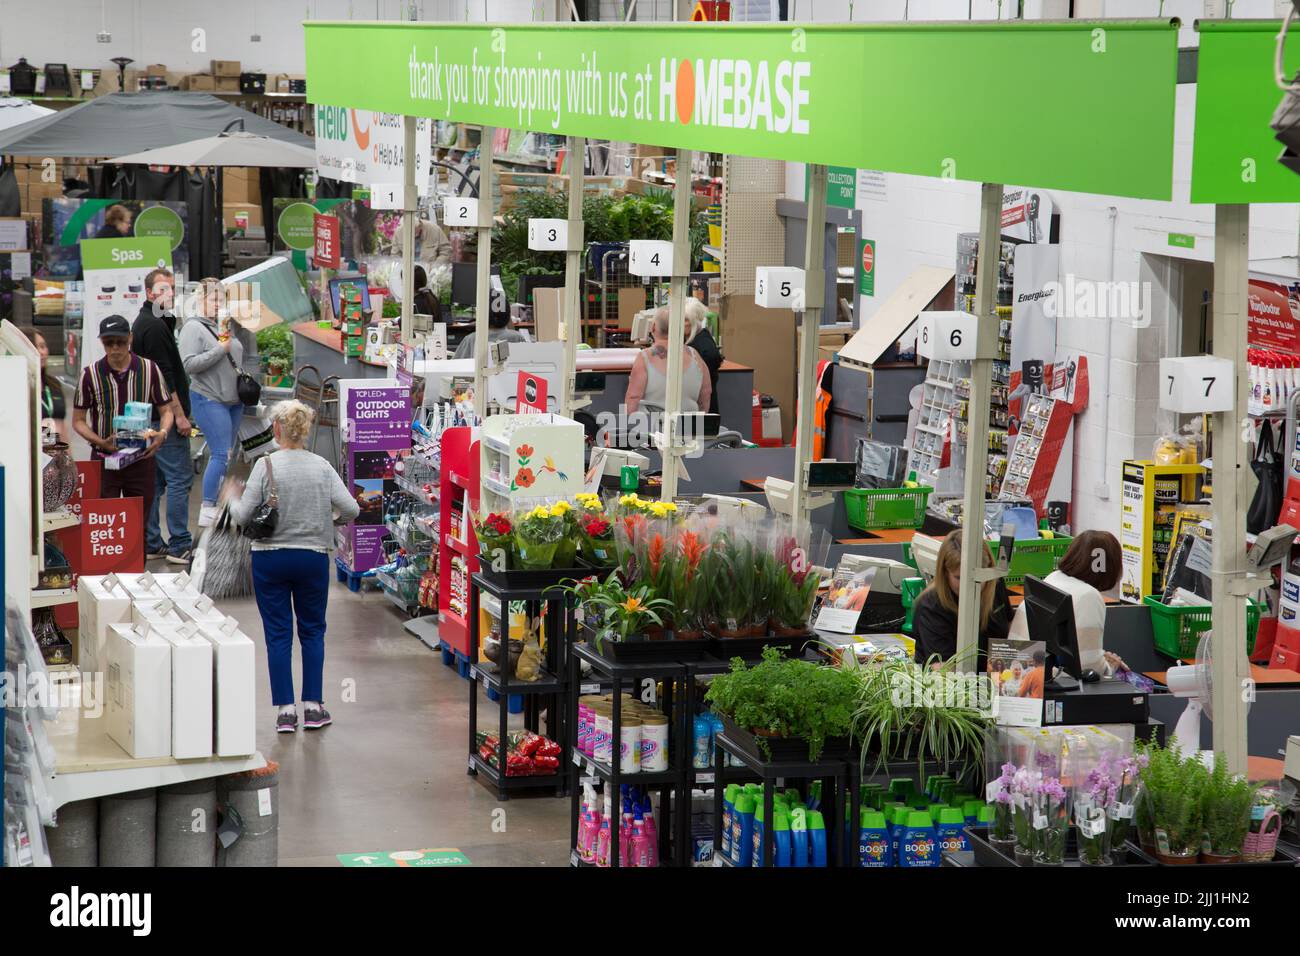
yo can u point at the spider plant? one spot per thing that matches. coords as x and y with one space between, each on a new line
906 711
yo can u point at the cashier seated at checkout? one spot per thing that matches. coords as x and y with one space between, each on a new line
934 618
499 329
647 383
1091 567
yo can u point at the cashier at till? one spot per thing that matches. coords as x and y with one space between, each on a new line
934 618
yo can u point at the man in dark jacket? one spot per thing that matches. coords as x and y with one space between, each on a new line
154 337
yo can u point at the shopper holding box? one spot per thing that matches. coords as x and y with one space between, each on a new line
293 563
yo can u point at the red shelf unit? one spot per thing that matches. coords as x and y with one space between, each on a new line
458 490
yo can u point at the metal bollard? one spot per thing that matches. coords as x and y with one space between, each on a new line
74 840
127 823
252 799
187 823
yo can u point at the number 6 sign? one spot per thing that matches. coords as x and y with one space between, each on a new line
1196 383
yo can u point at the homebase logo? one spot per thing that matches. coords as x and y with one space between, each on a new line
1090 299
77 909
932 689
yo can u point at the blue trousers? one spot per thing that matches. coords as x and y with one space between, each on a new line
220 424
175 477
302 577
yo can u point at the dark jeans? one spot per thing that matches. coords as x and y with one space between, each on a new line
303 576
175 476
134 481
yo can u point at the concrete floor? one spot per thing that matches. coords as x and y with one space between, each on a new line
389 774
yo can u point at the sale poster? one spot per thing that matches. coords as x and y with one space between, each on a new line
112 535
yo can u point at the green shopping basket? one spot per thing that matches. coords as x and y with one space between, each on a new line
875 509
1036 556
1177 629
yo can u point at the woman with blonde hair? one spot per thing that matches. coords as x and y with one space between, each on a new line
934 619
291 567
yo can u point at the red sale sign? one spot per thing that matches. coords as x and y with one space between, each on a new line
112 535
326 233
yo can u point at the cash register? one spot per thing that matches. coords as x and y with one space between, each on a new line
1073 695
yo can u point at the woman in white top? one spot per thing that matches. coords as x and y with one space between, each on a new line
1091 566
648 381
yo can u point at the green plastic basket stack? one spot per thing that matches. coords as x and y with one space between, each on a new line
1036 556
876 509
1178 630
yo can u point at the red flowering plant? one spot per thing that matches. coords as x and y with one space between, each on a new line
495 536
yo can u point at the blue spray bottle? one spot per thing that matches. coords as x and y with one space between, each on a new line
799 837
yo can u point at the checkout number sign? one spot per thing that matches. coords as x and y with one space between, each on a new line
325 231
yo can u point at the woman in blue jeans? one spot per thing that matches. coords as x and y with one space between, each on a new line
211 355
291 568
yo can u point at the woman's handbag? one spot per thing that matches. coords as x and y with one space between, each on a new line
262 524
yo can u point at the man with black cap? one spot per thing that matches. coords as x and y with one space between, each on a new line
103 391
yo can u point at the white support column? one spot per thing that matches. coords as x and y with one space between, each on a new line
678 287
1234 484
977 444
577 150
809 332
409 199
483 296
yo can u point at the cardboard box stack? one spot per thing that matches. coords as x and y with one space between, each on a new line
178 674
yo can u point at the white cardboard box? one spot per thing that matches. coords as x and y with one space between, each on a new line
157 613
138 689
101 600
234 660
191 691
199 610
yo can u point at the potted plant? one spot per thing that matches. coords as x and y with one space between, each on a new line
1173 787
1225 806
495 536
785 698
537 538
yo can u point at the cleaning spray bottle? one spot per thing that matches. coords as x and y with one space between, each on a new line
873 840
742 831
799 836
816 838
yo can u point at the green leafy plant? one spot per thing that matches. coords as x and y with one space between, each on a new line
786 698
905 711
1225 807
275 347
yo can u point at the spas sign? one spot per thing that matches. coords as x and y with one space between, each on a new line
358 146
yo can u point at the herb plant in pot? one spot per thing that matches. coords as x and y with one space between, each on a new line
1226 810
781 698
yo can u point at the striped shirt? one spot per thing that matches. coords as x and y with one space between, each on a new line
104 393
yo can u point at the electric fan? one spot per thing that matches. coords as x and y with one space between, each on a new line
1194 683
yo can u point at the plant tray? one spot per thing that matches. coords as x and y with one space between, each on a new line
986 854
783 749
1177 631
527 580
751 648
659 652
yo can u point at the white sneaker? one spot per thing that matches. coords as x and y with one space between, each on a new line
207 515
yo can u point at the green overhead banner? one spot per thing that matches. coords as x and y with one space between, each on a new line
1076 105
1234 156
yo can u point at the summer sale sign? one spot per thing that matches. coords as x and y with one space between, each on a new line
779 91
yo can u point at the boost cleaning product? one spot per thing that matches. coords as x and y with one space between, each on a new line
781 833
873 839
799 836
919 843
742 830
817 838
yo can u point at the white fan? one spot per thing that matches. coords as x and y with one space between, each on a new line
1194 683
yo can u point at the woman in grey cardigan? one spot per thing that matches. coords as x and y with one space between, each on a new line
210 354
291 568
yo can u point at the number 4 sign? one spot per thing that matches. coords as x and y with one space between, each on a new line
1196 384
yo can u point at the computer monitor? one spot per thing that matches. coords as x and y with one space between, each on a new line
464 282
1049 613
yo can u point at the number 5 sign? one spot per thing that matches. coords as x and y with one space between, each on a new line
1196 384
